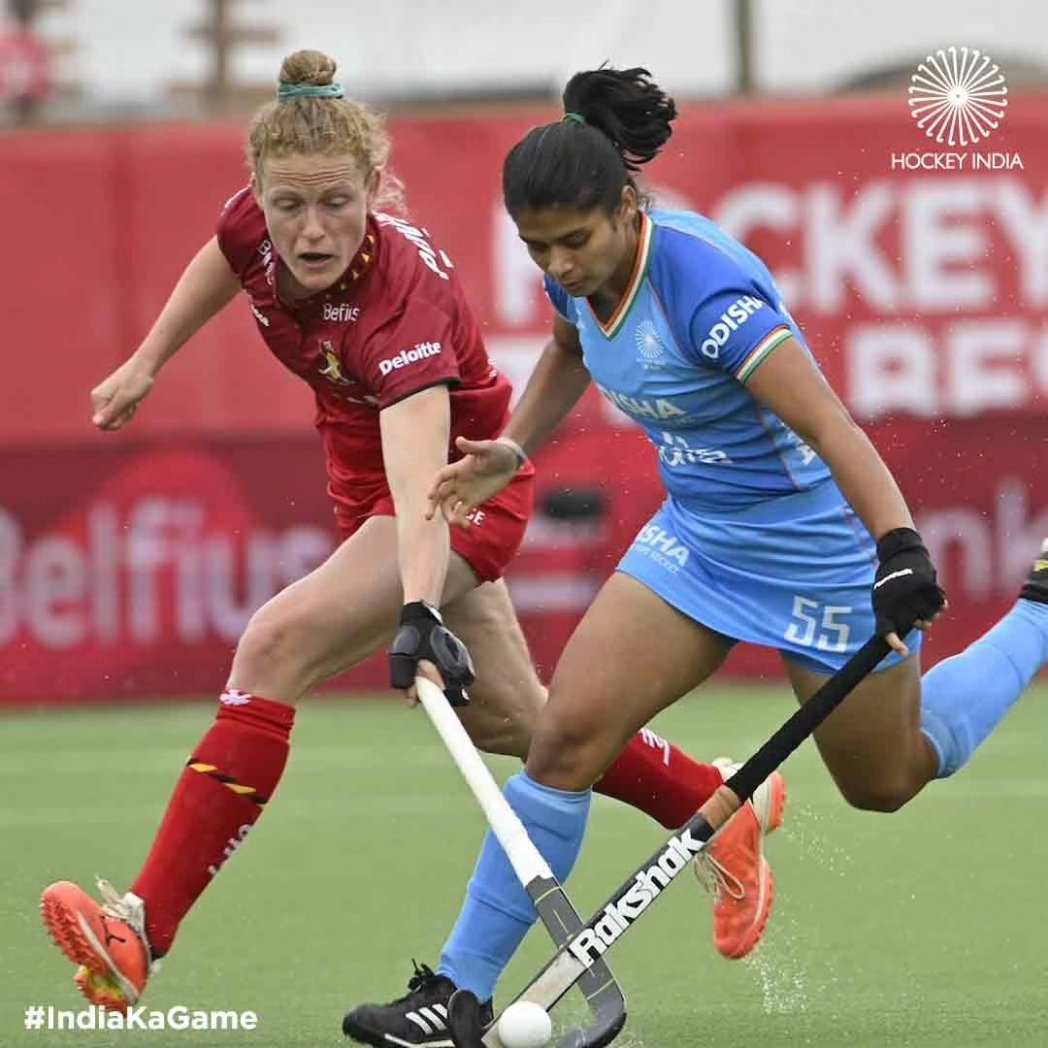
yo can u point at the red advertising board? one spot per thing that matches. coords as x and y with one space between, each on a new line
131 573
129 563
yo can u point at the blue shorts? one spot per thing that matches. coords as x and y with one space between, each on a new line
793 573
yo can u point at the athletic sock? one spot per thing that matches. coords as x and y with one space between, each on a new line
497 912
966 696
217 799
660 780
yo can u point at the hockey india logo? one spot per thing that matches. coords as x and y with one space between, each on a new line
649 344
958 96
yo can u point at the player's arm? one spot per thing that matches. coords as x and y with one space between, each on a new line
905 590
789 383
206 286
553 389
487 466
415 434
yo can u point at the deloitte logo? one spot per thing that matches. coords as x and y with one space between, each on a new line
957 97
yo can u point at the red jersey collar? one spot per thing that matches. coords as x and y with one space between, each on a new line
363 260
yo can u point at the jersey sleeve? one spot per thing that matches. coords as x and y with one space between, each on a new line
237 229
722 316
735 329
560 300
412 353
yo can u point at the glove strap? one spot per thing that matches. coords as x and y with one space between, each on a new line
898 540
420 613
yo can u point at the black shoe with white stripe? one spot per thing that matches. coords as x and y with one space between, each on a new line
420 1017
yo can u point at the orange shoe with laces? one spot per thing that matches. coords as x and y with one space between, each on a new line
734 870
107 941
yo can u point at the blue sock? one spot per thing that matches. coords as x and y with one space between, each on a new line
497 912
964 697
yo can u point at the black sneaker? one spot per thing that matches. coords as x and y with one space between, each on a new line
419 1017
1036 587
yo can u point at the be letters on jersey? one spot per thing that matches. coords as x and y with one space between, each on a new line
341 312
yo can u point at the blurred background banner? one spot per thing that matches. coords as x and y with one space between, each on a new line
130 563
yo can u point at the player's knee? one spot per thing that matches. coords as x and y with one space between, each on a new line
504 710
568 751
886 795
507 736
271 641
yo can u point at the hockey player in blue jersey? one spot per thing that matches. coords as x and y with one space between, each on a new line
781 525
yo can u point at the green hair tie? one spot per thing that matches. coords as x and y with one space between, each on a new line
286 91
573 118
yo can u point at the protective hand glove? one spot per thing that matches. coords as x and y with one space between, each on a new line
905 591
423 635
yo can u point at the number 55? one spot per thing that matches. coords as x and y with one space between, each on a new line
807 630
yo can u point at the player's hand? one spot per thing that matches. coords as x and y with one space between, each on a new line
486 467
116 398
905 590
423 644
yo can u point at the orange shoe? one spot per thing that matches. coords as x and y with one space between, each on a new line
107 941
735 872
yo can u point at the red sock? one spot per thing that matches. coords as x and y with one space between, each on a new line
223 790
660 780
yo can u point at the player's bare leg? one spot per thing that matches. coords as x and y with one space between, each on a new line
667 655
734 869
898 730
631 656
333 618
872 743
507 695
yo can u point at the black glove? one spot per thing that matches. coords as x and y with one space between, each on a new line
423 635
905 590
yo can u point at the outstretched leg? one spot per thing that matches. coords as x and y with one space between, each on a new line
631 656
331 619
897 731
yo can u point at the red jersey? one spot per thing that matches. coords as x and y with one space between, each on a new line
395 323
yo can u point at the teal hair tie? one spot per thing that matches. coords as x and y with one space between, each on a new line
286 92
573 118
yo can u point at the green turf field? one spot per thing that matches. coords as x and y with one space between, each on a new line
926 928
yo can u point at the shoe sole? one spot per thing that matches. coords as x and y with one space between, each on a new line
363 1035
72 935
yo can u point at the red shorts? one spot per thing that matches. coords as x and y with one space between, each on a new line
489 543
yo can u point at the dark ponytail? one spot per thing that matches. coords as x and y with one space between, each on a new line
616 120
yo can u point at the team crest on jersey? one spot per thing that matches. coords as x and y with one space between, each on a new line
332 369
650 349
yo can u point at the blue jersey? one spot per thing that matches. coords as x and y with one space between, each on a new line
699 316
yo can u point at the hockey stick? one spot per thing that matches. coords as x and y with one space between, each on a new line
554 908
575 958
